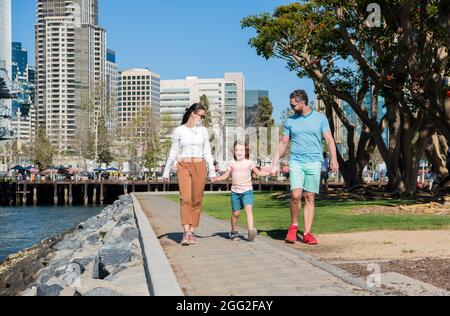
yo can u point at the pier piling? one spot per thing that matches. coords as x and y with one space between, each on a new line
34 195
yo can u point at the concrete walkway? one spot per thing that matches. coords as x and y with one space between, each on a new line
218 267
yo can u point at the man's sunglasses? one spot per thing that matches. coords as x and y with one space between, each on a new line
294 105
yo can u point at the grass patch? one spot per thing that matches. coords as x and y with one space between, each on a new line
272 216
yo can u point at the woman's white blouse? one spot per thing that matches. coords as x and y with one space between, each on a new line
190 143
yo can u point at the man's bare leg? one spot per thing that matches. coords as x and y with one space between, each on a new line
310 199
296 205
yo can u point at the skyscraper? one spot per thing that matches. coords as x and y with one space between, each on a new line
111 80
5 70
19 62
70 68
5 35
251 105
23 106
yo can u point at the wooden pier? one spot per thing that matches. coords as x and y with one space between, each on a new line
20 193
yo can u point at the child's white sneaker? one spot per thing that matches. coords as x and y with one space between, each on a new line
252 233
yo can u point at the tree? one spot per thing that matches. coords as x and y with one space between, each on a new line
208 121
264 119
404 61
314 52
104 142
204 101
167 127
42 150
265 111
95 108
143 136
284 116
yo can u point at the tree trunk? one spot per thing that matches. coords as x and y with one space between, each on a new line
395 184
434 154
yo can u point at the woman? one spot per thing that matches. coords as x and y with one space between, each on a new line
192 150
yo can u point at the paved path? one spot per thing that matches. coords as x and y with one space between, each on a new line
218 267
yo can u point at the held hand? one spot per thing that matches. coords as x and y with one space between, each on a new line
334 165
213 179
166 180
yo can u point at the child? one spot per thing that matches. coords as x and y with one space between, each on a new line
242 189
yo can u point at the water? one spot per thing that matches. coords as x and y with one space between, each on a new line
23 227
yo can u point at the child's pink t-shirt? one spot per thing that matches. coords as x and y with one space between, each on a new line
241 173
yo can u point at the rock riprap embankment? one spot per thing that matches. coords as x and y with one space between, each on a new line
102 257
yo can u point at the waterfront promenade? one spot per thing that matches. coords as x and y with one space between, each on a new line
216 266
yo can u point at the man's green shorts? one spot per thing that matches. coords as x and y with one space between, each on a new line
305 176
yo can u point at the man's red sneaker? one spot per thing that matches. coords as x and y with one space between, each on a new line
310 240
291 237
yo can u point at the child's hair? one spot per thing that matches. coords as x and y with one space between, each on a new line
247 149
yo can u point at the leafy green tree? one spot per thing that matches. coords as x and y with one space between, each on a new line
329 42
208 120
42 150
104 143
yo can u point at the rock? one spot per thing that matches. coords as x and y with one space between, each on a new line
29 292
93 238
113 255
84 261
129 281
121 234
68 245
113 275
87 284
45 275
62 255
48 290
95 222
68 291
102 292
60 270
99 271
124 267
107 227
71 279
74 267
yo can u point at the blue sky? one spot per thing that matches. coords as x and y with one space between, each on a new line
179 38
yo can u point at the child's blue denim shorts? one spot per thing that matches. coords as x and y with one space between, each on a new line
240 200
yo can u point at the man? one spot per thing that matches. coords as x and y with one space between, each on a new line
324 174
306 130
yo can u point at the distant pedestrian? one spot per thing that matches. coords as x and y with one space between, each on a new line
324 173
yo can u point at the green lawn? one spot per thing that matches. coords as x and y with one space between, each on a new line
272 216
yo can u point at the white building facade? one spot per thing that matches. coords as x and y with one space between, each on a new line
138 91
226 98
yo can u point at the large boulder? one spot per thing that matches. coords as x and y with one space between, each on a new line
68 245
121 234
113 256
48 290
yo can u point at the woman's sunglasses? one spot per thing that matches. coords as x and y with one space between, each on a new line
201 116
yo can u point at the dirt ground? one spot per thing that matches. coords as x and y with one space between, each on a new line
423 255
